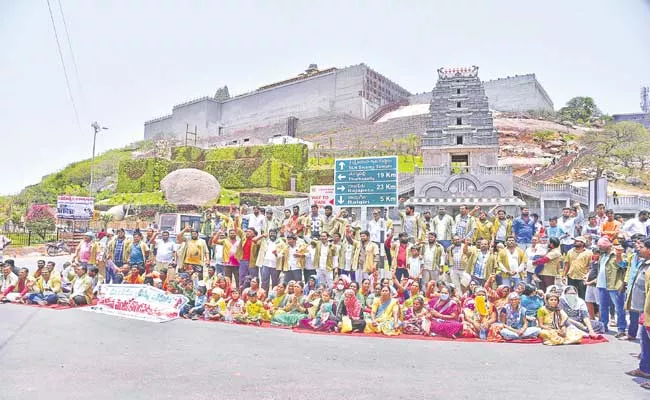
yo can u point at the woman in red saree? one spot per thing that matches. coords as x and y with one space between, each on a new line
443 313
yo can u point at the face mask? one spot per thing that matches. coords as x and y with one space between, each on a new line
572 299
444 296
339 286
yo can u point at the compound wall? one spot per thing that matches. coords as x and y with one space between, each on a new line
516 94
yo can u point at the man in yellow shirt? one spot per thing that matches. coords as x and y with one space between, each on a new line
577 265
194 254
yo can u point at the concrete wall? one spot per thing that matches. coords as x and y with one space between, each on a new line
641 118
517 93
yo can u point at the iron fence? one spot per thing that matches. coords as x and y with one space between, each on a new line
29 238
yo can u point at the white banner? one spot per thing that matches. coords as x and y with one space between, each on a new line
321 195
141 302
75 207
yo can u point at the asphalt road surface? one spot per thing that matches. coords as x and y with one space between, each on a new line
74 354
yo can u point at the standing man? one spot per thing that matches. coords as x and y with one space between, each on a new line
641 300
636 226
249 253
115 253
511 263
610 284
433 259
611 227
443 225
568 225
135 253
577 265
378 229
165 252
194 254
294 224
256 220
232 253
501 227
483 227
523 228
411 223
481 262
331 223
270 223
464 224
365 256
323 260
293 260
267 258
427 222
314 222
400 252
456 260
86 252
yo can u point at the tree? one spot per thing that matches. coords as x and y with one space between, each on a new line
579 110
40 218
623 142
106 219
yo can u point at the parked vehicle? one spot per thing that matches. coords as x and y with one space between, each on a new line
58 248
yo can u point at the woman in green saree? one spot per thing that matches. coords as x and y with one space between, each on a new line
294 310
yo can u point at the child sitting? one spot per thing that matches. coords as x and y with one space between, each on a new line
255 312
215 309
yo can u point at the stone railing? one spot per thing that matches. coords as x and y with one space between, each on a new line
451 141
628 202
445 170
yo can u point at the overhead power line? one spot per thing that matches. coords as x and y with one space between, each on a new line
74 58
65 71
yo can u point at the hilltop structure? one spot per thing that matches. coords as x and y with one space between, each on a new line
461 147
317 101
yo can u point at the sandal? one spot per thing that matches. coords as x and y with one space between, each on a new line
638 374
645 385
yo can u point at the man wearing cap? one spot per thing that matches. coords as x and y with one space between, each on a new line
87 250
194 254
610 284
577 265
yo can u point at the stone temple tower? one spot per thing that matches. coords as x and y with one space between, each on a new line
461 147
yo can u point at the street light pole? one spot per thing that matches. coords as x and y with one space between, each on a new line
96 128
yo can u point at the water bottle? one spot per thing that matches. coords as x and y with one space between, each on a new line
483 334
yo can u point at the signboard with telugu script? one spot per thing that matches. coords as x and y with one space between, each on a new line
370 181
141 302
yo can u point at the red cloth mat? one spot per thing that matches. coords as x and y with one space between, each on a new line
599 339
55 306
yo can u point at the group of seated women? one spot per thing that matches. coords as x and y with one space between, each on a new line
394 307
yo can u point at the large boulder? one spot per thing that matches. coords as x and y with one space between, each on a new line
190 186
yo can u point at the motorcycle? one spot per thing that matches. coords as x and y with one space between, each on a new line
57 248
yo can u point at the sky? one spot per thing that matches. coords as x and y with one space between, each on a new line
136 59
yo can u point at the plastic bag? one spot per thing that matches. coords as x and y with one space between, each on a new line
346 324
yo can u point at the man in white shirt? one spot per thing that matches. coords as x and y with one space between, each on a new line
568 225
165 252
256 220
267 259
433 257
638 225
377 228
443 224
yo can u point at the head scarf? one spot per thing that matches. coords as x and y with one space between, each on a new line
573 303
501 291
346 280
352 304
557 312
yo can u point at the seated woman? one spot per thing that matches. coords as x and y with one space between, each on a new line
514 325
385 315
277 299
532 300
578 314
352 309
443 314
293 311
478 315
554 324
469 295
414 291
498 297
325 317
365 291
415 318
254 285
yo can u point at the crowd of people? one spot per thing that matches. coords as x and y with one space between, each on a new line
479 274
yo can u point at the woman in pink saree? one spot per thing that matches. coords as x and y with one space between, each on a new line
443 313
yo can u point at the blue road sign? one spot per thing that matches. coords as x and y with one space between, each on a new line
368 181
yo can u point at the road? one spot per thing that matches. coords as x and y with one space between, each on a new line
74 354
